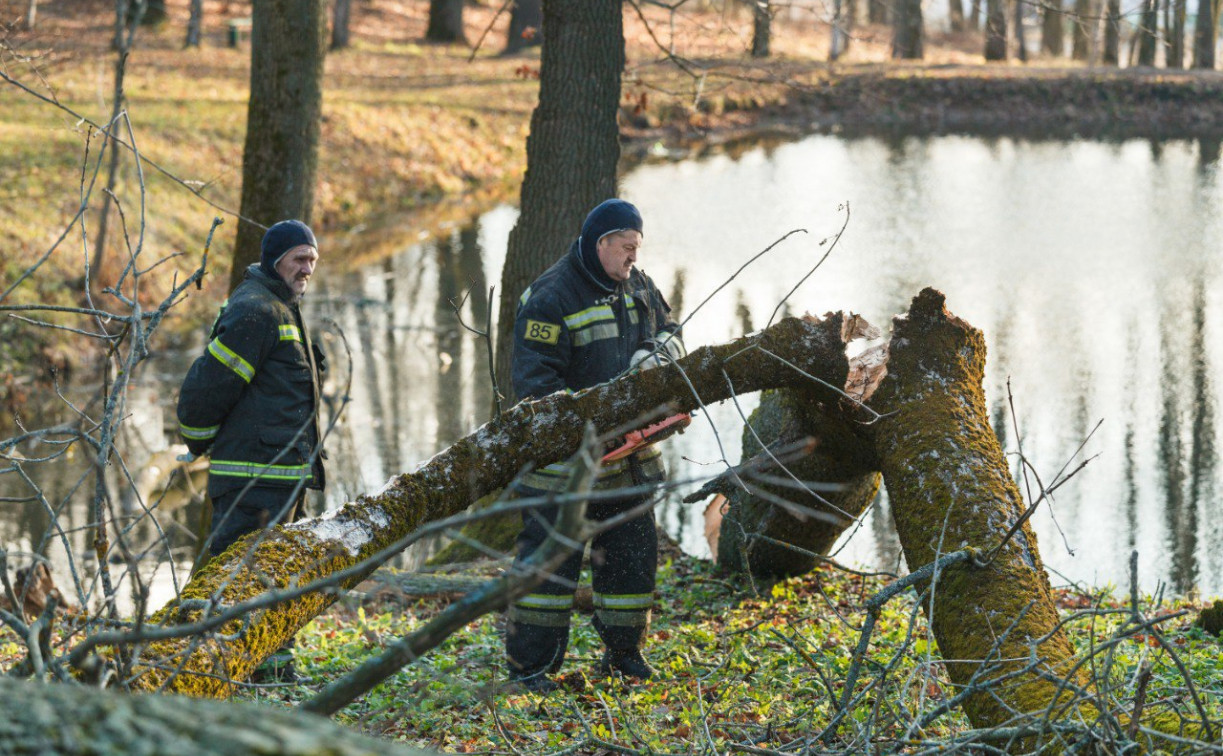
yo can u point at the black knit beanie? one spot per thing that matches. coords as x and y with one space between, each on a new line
281 238
608 217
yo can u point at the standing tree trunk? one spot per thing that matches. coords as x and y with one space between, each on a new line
154 14
526 25
31 15
1205 33
1021 44
974 17
282 121
842 23
341 15
1176 35
877 11
446 22
761 21
1112 34
571 152
1052 31
995 30
907 30
1148 20
955 15
195 23
1083 31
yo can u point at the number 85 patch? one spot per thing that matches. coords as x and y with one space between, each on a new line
545 333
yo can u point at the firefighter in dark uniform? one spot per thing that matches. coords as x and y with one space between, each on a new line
252 399
587 319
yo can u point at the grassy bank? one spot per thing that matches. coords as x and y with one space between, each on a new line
734 673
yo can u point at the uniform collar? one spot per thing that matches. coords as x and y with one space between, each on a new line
600 279
274 285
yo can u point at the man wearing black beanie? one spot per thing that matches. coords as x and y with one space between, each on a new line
586 320
252 399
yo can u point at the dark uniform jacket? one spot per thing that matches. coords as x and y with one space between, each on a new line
252 399
572 332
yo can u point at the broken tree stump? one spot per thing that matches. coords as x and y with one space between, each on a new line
950 488
806 506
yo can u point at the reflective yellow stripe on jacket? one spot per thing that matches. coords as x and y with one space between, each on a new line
231 359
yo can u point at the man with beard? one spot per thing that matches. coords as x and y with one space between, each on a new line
251 400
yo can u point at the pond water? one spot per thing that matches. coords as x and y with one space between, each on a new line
1092 268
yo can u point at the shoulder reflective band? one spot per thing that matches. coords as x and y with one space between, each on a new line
198 434
237 469
231 360
525 296
290 333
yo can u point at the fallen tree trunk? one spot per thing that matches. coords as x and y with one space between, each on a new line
76 720
950 488
338 548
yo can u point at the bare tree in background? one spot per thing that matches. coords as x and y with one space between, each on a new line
127 19
1147 34
31 14
283 120
341 17
526 25
995 30
446 22
1021 44
907 30
195 23
1083 34
762 21
842 25
1205 34
1052 32
955 15
1112 34
1176 35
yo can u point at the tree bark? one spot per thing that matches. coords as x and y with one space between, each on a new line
194 24
341 16
1084 29
283 120
1052 32
532 433
1112 35
907 32
757 533
446 22
974 16
762 20
1148 19
571 151
31 15
995 30
955 15
1205 34
526 25
954 490
1176 36
1021 44
877 11
76 720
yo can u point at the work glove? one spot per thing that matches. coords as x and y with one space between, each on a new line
654 352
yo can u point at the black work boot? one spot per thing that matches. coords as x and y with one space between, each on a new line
536 683
625 661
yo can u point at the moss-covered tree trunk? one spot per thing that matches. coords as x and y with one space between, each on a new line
950 487
763 524
75 720
532 433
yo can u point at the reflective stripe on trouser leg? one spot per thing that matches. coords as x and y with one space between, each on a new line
537 625
624 561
